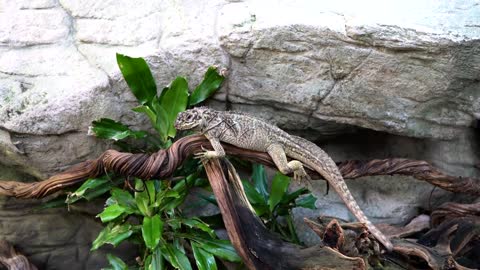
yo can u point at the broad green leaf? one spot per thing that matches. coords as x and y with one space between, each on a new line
197 223
150 184
307 202
116 263
279 187
165 196
254 197
139 78
259 178
53 203
181 187
102 189
162 121
109 129
220 248
89 185
211 82
157 261
111 212
162 125
172 194
125 199
152 229
148 262
141 198
175 100
203 259
147 111
172 203
112 234
290 197
182 259
176 258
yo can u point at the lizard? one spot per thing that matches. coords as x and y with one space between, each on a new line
248 132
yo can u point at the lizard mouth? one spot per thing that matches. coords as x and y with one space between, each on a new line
185 126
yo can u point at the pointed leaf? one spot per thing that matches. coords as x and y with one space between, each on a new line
150 186
147 111
111 212
307 202
253 196
157 261
279 187
109 129
174 101
139 78
220 248
162 122
124 199
112 234
259 178
182 259
203 259
197 223
141 198
290 197
89 186
152 229
116 263
211 82
176 258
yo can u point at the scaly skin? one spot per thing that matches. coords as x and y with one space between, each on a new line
252 133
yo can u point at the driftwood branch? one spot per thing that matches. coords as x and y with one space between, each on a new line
13 260
259 248
163 163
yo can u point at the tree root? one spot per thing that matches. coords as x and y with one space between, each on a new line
13 260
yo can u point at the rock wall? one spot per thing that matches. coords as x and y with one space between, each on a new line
317 68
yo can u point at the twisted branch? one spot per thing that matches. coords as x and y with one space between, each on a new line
163 163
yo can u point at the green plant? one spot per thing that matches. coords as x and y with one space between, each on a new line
151 216
276 205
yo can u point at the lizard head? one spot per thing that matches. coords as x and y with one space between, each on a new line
194 119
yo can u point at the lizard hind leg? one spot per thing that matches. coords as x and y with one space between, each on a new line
277 153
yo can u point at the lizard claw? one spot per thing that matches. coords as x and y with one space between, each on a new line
302 176
205 155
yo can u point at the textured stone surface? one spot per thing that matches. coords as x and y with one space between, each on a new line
313 67
392 199
54 238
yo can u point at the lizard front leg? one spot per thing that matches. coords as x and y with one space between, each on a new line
218 151
277 153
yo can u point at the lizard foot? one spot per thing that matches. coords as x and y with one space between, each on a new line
206 155
299 173
302 177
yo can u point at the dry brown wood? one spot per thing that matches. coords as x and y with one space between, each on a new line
452 210
258 247
164 162
13 260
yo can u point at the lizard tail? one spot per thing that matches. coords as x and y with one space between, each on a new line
337 182
325 166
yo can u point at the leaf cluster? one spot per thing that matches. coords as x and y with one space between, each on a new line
275 206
